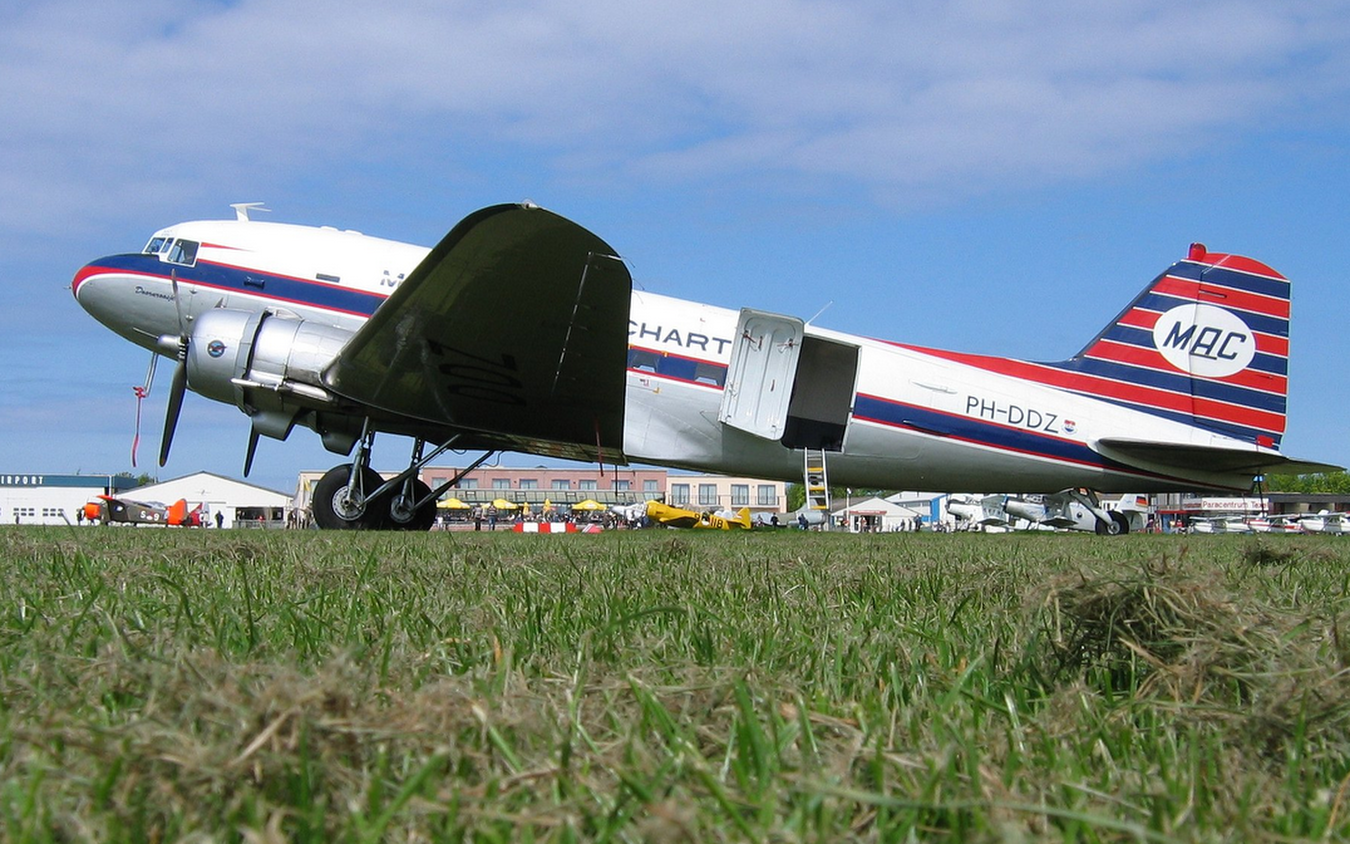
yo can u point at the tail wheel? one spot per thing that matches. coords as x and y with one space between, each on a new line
337 507
401 514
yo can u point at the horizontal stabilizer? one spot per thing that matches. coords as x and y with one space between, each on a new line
1144 453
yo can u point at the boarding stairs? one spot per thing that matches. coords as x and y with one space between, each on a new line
817 482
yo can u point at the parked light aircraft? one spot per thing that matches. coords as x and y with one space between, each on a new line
521 331
109 509
672 516
1075 509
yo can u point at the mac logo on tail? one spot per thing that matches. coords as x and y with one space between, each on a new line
1204 340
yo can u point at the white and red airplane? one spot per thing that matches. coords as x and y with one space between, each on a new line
521 331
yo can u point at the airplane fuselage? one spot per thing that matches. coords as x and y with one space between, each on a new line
889 415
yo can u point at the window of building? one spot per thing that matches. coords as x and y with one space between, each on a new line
707 494
679 493
529 483
586 484
740 495
468 483
501 483
561 483
767 496
622 486
649 485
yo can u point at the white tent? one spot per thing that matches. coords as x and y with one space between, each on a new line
877 515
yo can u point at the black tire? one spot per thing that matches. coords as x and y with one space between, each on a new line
1114 526
422 519
327 502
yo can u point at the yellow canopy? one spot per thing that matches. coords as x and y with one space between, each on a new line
452 504
503 504
588 504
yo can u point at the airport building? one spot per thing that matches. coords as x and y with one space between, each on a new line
609 486
38 499
238 504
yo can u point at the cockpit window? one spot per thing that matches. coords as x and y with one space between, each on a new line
155 246
183 252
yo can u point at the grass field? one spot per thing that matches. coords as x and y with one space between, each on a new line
169 685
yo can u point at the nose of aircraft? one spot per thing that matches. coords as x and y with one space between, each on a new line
135 306
94 292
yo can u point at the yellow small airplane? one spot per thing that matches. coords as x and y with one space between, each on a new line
682 518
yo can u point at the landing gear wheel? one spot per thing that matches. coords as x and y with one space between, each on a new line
1115 526
338 508
402 517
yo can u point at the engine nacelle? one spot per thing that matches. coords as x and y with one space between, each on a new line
257 360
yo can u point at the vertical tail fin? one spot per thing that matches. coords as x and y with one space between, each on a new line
1207 343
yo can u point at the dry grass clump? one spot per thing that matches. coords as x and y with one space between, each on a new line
1183 637
1259 553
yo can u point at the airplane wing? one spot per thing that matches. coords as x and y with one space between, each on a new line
1147 453
515 327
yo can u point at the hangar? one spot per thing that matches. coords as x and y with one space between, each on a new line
240 504
38 499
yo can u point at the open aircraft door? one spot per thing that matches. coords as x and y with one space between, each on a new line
759 379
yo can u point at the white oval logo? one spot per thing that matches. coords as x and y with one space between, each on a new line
1204 340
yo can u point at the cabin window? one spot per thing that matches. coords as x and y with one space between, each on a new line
183 252
643 360
156 245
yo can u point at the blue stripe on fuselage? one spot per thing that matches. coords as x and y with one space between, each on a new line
978 431
298 291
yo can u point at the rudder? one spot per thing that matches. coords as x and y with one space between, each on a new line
1207 343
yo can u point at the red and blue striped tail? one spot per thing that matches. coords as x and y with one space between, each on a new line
1207 343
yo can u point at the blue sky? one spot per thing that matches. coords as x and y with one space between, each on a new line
997 177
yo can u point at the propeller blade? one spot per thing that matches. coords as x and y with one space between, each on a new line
177 303
176 390
252 447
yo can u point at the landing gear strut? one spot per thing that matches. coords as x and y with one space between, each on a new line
353 496
348 497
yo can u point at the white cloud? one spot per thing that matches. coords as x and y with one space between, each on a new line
151 98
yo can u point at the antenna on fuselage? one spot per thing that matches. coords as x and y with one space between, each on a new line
241 209
819 312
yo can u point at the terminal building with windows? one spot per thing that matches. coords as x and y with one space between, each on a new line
701 492
38 499
610 486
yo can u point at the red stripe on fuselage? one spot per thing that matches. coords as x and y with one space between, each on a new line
1093 385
